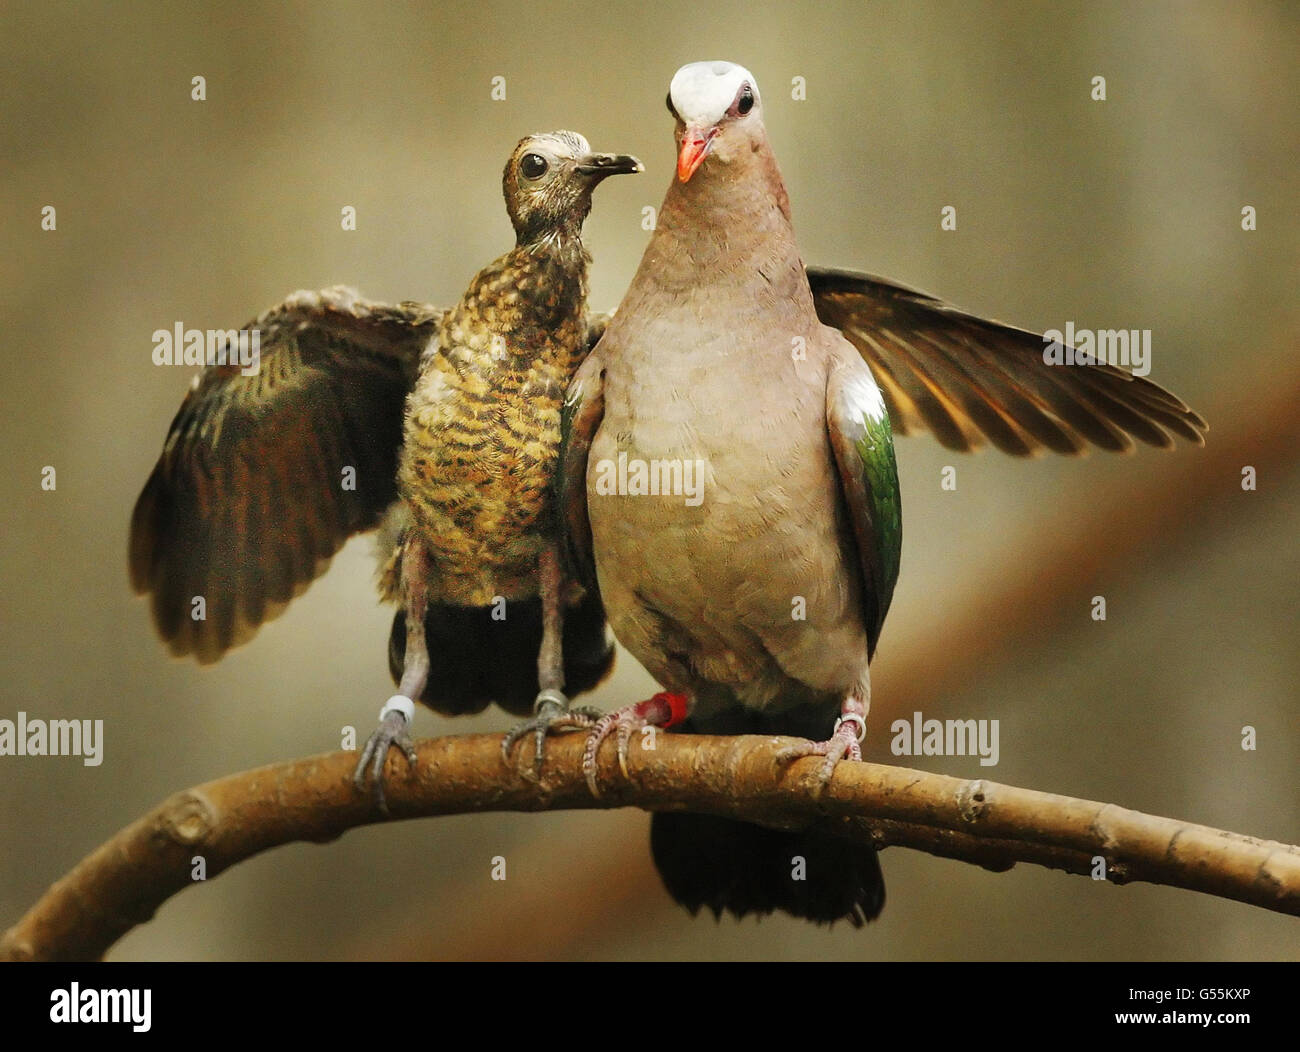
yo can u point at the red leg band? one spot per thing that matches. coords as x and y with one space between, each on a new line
676 706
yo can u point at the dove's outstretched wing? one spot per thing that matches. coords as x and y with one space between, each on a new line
967 379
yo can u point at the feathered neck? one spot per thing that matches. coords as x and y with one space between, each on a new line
728 224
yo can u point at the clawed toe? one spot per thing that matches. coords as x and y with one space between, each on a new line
598 734
552 715
393 731
663 710
845 743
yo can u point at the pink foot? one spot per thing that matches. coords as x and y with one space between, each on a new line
663 710
844 743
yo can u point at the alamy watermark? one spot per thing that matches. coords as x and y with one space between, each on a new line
633 477
181 346
93 1005
922 737
24 737
1130 348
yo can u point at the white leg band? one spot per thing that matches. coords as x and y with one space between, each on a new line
549 695
399 703
853 717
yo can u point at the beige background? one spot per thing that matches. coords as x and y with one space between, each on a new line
1117 214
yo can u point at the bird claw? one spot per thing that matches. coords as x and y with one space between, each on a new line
663 710
393 730
621 722
841 745
552 714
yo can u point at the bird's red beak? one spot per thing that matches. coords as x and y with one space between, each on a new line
695 147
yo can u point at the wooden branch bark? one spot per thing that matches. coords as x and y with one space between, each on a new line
125 880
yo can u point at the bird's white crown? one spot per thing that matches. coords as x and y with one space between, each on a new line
702 92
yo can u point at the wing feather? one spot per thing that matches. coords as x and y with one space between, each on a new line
247 503
863 448
969 380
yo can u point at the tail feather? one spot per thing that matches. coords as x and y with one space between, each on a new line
476 660
737 867
725 865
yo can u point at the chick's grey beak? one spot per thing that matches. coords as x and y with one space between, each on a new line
600 165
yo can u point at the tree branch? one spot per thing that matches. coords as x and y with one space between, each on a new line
125 880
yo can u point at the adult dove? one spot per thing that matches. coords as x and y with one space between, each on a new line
729 482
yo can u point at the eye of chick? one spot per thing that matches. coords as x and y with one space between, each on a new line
533 166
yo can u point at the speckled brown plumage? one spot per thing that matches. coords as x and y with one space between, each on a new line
483 423
441 426
247 503
482 439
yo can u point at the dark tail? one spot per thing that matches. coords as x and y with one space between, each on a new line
722 864
475 660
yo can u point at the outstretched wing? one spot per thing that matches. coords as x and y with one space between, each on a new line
252 495
863 445
967 379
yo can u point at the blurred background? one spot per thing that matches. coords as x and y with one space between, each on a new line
1117 214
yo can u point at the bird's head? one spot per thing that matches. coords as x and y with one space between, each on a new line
549 179
718 111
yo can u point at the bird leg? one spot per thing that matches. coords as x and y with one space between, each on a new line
845 741
396 716
663 710
551 711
